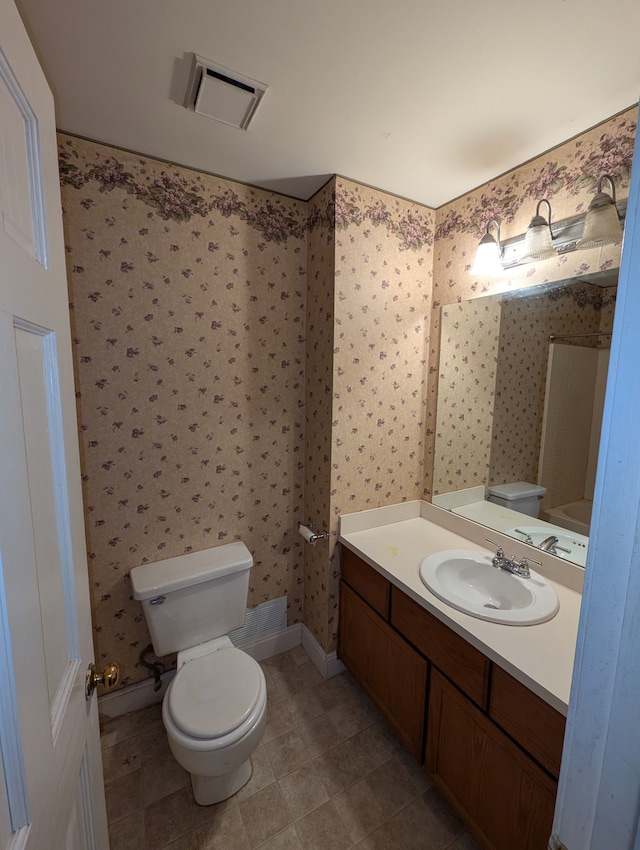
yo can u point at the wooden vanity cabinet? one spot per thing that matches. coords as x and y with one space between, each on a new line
491 746
389 670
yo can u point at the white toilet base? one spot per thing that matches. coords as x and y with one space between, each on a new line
208 790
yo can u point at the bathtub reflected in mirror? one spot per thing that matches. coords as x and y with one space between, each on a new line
574 516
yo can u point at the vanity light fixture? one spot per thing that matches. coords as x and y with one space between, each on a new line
602 224
538 240
489 253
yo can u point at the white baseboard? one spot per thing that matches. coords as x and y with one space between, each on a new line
265 647
142 694
327 664
133 697
334 665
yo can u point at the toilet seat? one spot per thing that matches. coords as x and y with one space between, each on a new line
213 696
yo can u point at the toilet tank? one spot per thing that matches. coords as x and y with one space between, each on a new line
193 598
519 496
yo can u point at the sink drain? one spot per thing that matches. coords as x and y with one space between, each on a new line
491 605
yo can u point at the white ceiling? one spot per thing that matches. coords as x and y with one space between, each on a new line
422 98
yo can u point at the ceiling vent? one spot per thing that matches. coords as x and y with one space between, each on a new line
222 94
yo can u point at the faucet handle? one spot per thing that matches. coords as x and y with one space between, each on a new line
522 567
498 559
526 561
500 552
527 537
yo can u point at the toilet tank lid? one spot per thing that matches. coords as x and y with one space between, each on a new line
151 580
517 490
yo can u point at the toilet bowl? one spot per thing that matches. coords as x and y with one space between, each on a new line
214 710
214 713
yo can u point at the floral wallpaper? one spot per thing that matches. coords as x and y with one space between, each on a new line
246 361
188 298
213 326
383 261
567 176
318 404
368 304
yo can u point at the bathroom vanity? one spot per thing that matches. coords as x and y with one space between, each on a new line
481 705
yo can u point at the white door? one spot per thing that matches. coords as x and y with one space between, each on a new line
51 793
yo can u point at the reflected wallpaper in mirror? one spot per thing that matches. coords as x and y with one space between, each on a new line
514 405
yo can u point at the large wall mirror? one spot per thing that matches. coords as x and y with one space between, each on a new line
520 397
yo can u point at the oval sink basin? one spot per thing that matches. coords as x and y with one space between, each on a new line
467 580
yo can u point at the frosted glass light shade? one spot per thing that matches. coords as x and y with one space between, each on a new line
537 243
601 225
538 240
487 259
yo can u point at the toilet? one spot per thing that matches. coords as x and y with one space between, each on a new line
519 496
214 710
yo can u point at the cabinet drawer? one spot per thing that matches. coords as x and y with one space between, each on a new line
532 722
457 659
367 583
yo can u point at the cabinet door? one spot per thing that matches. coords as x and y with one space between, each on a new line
389 670
506 800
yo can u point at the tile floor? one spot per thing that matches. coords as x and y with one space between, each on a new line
328 775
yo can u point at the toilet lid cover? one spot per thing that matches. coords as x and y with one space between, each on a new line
212 695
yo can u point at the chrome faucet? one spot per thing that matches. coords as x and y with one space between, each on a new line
511 565
549 543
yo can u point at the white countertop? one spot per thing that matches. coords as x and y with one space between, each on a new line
395 540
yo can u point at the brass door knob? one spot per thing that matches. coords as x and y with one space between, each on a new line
109 678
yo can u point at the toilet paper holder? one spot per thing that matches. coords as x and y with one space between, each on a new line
310 535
